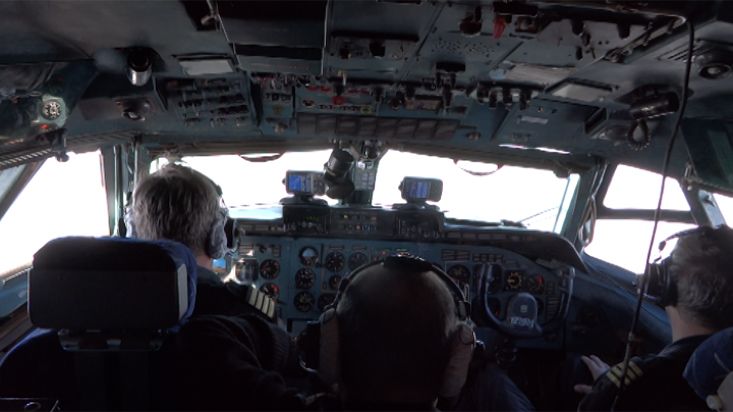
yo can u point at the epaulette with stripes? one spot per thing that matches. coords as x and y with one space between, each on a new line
260 301
633 373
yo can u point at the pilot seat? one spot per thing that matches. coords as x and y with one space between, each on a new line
105 310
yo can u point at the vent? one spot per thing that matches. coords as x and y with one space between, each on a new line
33 151
19 158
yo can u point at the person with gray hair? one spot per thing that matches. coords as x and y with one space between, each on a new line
694 285
179 203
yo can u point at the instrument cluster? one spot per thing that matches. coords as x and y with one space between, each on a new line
303 274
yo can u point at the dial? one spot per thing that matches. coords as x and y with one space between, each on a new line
334 281
308 256
513 280
357 259
535 284
51 110
269 269
247 270
460 274
305 278
270 289
335 262
325 300
304 301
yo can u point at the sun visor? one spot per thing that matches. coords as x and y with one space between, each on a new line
710 145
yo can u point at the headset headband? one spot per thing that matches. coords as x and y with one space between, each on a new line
409 263
706 231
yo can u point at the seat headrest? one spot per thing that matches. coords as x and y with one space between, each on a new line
710 364
83 283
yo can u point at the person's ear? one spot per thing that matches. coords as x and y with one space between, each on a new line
463 342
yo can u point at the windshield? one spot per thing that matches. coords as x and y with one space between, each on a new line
535 197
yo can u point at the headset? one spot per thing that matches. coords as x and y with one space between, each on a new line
463 341
661 286
215 245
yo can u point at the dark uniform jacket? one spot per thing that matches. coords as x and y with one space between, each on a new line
234 363
653 382
215 297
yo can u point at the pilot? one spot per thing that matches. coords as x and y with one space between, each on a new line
178 203
403 340
392 340
695 286
399 339
395 338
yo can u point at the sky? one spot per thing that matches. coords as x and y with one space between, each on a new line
68 199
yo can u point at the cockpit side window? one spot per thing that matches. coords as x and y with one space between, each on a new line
62 199
624 227
633 188
725 204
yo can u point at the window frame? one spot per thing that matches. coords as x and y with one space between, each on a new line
674 216
17 186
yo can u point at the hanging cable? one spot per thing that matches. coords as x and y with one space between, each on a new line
665 170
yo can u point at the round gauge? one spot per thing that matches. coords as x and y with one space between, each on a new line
335 262
535 284
357 259
305 278
247 270
513 280
325 300
51 110
304 301
308 256
269 269
334 281
460 274
270 289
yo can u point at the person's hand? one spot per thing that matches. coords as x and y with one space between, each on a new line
597 368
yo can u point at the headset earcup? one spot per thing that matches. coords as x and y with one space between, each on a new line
129 219
456 371
329 365
670 288
216 241
661 285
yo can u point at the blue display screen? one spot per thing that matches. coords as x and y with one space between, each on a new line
298 183
420 190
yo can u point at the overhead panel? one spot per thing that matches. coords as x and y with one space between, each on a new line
544 125
281 36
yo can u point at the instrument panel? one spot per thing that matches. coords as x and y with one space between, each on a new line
303 273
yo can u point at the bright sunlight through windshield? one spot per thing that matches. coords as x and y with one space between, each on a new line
531 196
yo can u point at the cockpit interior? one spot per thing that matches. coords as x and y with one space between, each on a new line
518 145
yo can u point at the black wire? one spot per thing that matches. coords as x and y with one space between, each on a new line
665 170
